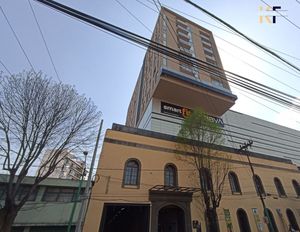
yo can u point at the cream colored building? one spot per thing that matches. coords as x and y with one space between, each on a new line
69 167
133 168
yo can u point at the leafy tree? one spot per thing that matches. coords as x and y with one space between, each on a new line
38 115
199 137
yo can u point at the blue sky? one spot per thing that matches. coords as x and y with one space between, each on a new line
105 68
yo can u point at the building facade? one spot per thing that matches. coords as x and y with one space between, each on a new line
69 167
136 166
161 78
144 182
49 208
268 138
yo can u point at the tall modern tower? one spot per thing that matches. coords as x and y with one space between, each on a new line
167 89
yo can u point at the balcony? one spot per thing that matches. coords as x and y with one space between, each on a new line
184 28
181 23
185 46
186 51
176 87
183 35
185 42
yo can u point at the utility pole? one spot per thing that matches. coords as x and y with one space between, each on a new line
87 190
244 147
77 194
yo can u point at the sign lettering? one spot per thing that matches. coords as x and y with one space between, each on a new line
182 112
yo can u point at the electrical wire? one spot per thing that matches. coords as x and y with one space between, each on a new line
252 54
287 147
44 40
227 194
259 70
167 25
247 63
18 40
256 56
275 143
136 18
147 6
230 32
5 67
231 77
244 36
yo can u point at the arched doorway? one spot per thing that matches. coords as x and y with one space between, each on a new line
243 220
292 220
171 219
272 222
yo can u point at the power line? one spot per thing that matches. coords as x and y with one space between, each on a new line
142 43
136 18
251 65
264 90
228 193
244 36
258 58
284 53
211 102
16 37
265 99
260 140
200 20
5 67
45 43
230 32
167 25
245 49
259 70
147 6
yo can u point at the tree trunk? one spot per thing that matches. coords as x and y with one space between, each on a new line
212 222
7 217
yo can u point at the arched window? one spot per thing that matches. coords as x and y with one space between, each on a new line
271 222
132 172
292 220
259 185
296 187
243 220
279 187
170 175
206 180
234 183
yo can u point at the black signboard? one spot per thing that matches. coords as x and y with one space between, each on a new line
182 112
174 110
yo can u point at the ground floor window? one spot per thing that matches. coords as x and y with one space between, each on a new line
125 217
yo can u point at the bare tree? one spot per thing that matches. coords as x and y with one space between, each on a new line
199 136
38 115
